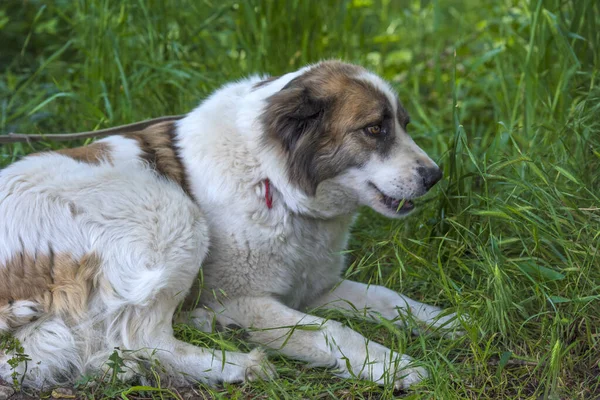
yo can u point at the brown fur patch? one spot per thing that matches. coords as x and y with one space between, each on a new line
157 143
91 154
58 283
158 146
318 119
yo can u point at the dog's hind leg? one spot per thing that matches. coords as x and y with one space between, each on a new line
151 258
190 363
320 342
145 339
373 302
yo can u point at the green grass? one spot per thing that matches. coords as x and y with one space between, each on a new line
503 93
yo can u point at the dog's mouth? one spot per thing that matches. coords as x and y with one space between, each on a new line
398 206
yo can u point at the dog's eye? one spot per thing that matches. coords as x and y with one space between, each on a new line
374 130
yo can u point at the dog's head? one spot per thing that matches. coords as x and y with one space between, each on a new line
337 122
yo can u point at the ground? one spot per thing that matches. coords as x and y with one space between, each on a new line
503 94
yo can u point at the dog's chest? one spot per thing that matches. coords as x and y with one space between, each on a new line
312 253
294 260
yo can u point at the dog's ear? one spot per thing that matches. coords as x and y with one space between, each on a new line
299 117
294 118
303 104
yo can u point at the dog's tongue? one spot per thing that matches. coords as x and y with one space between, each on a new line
394 204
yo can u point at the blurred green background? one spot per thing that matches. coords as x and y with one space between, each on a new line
503 94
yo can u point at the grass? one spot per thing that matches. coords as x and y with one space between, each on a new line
503 93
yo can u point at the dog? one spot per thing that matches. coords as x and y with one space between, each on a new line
254 191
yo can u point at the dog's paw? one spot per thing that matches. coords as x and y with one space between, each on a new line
206 320
201 319
398 371
246 367
405 378
259 367
451 325
403 371
436 320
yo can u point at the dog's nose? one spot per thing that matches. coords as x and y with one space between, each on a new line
430 176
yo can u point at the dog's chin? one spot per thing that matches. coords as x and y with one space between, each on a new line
387 205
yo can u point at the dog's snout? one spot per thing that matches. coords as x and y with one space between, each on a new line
430 176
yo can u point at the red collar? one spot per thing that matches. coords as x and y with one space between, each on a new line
268 194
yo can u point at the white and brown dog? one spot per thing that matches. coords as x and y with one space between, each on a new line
258 186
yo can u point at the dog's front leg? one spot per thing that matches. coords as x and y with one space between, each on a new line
320 342
373 301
